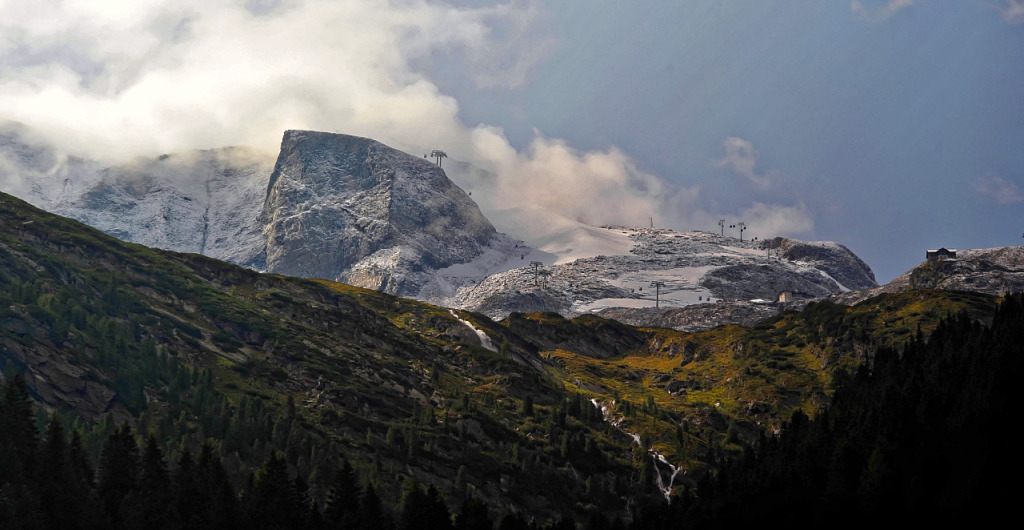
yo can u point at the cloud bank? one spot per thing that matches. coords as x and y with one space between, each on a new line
116 79
998 189
741 157
880 13
1012 11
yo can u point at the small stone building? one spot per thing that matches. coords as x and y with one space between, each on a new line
792 296
941 254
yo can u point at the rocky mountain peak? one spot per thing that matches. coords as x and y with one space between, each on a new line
835 259
355 210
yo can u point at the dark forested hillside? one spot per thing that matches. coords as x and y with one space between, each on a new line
922 434
280 402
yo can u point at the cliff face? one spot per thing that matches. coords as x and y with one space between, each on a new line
355 210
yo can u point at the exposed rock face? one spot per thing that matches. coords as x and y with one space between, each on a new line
697 317
204 202
355 210
994 271
836 260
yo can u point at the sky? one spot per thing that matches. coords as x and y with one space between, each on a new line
890 126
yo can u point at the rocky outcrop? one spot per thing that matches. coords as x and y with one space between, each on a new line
995 271
836 260
697 317
355 210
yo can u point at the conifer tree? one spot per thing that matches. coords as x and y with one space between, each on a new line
151 499
119 471
19 437
343 499
214 486
371 513
56 482
274 504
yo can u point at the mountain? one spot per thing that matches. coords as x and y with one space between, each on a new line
537 415
354 210
332 206
206 202
993 271
694 269
192 348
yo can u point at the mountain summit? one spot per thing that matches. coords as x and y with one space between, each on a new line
354 210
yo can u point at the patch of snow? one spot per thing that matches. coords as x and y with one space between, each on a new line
828 276
605 303
485 341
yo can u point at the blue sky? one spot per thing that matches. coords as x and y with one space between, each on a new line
894 132
889 126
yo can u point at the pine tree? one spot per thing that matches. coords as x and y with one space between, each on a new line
19 437
154 494
215 487
119 471
473 516
343 498
274 503
371 513
56 484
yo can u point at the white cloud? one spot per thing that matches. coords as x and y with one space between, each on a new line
1012 11
770 220
741 157
145 77
150 76
999 189
879 14
595 187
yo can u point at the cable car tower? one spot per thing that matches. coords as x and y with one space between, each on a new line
657 292
438 155
536 271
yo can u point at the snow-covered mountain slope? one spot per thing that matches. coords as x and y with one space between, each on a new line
206 202
333 206
672 269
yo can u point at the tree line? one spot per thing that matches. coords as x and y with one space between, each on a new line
917 435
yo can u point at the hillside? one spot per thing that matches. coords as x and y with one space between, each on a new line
189 348
917 439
